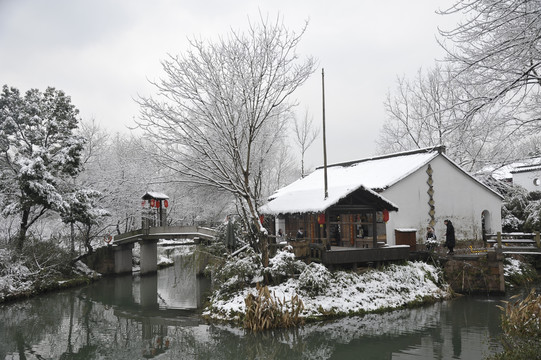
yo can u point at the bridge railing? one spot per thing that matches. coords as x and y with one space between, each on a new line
515 242
165 232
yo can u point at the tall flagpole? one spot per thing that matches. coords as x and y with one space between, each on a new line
324 137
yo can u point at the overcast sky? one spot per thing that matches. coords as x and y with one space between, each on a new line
102 53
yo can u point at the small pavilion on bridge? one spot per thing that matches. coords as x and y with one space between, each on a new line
156 212
154 227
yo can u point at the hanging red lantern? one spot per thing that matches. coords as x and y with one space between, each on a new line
143 203
321 219
385 215
166 203
152 202
261 218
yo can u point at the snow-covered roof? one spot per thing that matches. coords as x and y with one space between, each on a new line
507 171
374 174
303 200
532 164
154 195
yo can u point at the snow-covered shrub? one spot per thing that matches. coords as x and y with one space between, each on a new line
533 216
239 271
283 266
510 222
13 275
513 209
47 254
315 279
222 230
517 273
521 210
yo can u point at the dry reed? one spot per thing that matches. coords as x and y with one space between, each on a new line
265 311
521 321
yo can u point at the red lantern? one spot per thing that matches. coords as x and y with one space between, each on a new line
143 203
385 215
108 238
152 202
166 203
261 218
321 219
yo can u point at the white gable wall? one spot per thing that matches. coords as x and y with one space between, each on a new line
530 180
457 197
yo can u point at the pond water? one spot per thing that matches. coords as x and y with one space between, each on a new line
157 317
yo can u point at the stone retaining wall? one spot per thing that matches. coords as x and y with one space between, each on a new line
101 260
479 273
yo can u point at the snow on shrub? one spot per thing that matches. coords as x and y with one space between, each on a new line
315 279
517 273
344 292
13 275
512 267
284 265
238 272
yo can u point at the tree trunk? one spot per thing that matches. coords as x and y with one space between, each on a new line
22 230
72 240
88 240
260 239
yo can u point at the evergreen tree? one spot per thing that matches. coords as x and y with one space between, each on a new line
40 153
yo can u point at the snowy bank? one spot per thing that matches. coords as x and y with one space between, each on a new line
340 293
41 267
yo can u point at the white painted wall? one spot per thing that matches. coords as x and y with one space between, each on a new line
280 223
527 180
457 197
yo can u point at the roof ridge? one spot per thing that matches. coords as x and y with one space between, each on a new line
438 148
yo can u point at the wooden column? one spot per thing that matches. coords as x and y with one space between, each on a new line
375 229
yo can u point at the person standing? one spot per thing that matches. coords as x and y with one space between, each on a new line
279 236
449 236
431 241
300 234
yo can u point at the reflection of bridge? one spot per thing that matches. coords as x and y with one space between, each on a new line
136 299
148 240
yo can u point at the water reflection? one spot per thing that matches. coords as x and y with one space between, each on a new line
136 318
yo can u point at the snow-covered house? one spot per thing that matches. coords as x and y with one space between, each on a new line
425 186
525 173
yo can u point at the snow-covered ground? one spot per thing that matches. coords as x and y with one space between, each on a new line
339 293
14 277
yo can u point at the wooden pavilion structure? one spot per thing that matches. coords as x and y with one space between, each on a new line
346 229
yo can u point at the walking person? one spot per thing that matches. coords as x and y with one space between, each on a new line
449 236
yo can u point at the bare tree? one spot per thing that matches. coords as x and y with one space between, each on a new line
219 109
305 135
280 168
430 111
496 54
